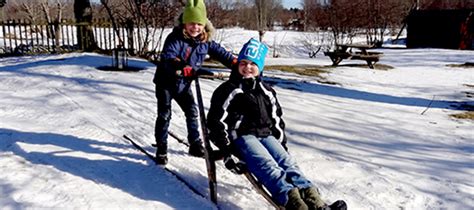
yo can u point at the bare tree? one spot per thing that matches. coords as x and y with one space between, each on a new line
47 12
265 12
310 10
262 12
52 12
24 9
221 13
314 42
148 16
85 35
2 4
381 16
347 18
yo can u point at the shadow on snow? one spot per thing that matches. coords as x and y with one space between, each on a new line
144 181
366 96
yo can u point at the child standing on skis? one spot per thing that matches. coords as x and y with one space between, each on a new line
245 119
184 52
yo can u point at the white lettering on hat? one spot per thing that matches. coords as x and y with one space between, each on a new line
252 49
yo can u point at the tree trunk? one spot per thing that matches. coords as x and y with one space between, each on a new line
85 35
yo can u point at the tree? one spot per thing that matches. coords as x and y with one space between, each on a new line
85 35
221 13
347 18
266 10
150 16
2 4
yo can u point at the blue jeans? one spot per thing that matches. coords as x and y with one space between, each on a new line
185 100
268 161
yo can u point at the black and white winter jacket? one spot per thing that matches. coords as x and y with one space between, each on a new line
242 107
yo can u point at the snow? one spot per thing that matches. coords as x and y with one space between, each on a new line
378 139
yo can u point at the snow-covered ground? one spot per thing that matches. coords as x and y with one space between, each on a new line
378 139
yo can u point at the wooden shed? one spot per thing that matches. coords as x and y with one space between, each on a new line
450 29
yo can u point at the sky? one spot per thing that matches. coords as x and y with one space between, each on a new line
376 138
292 3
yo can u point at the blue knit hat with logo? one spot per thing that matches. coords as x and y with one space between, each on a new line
254 51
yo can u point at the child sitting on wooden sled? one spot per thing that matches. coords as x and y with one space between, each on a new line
245 120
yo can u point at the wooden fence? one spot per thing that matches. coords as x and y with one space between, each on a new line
19 37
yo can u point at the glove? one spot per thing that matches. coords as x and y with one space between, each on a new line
236 168
188 72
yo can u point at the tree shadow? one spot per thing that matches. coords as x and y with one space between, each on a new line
88 60
341 92
91 84
117 168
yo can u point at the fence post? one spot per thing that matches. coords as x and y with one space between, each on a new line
4 36
37 34
41 31
61 25
14 33
20 22
10 35
25 27
57 34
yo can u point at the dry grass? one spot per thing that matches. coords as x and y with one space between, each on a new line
377 66
464 65
305 70
469 115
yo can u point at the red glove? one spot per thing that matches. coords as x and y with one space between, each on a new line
188 71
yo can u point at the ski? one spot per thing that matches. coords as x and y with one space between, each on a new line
176 137
214 154
211 165
151 157
179 139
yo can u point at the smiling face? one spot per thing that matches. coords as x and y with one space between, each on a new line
193 29
248 69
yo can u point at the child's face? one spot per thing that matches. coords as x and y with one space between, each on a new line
193 29
248 69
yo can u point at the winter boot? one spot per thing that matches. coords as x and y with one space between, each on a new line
196 149
161 157
338 205
312 198
294 201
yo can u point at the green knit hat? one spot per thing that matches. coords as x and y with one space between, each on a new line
195 11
